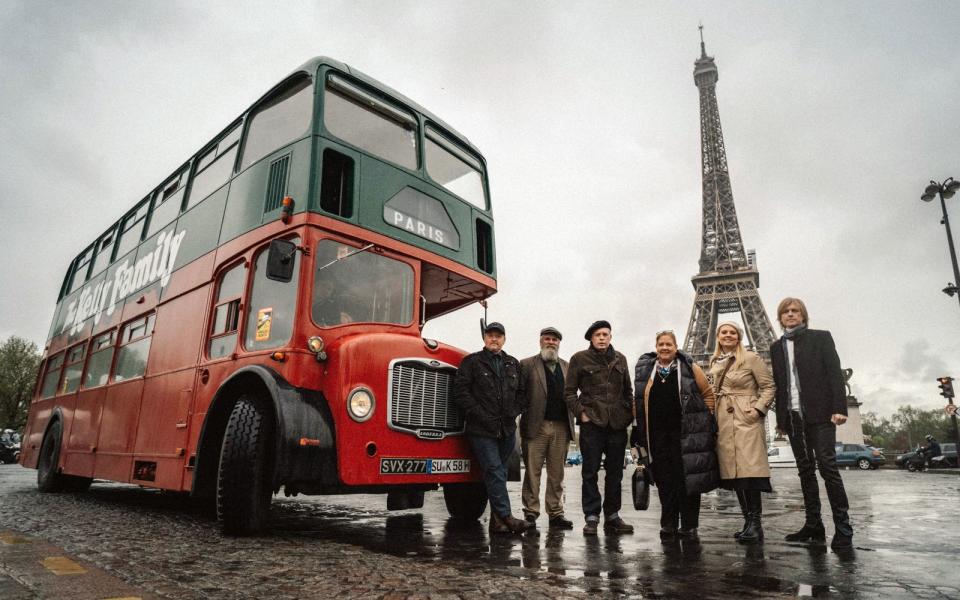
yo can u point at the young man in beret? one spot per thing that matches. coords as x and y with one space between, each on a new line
489 389
604 406
546 429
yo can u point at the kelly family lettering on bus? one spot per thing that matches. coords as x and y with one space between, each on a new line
158 265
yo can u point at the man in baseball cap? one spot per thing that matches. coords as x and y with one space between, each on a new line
491 418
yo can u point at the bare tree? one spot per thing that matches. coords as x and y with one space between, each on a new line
19 360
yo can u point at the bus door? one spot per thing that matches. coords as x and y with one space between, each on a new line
160 454
81 440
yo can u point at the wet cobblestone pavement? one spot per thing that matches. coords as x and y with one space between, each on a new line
906 541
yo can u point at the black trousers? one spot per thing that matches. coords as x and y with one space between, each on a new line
678 506
596 443
814 445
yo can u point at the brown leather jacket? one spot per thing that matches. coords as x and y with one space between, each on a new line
606 393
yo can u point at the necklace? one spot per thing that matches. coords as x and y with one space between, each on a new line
664 372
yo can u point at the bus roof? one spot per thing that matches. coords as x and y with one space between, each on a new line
313 64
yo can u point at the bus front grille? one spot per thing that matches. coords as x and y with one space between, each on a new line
421 399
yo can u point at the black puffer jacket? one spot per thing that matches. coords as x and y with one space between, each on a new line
698 427
491 403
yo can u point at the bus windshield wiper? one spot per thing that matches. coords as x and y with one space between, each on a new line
347 255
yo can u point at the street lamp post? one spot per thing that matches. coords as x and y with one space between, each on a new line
946 190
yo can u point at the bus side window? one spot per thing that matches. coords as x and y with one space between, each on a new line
214 167
52 376
71 375
132 229
101 357
167 203
226 314
272 305
281 119
104 251
80 270
134 348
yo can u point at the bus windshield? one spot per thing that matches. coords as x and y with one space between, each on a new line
361 288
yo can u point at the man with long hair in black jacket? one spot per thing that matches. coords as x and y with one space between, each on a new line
811 402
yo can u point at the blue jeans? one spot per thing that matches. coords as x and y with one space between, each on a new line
493 454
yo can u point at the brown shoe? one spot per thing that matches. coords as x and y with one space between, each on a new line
497 525
617 526
590 528
515 525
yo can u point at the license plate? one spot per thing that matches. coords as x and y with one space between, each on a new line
425 466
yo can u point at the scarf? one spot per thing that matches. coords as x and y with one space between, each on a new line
796 331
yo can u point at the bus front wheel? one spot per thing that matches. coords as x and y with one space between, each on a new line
244 480
465 501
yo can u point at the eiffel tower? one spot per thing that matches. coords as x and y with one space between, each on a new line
728 278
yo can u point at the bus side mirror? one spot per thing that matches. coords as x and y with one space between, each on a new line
280 260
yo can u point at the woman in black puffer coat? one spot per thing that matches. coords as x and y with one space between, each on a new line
676 430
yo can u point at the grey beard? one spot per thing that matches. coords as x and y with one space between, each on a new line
549 355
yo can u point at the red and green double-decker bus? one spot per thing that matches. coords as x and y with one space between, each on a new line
254 323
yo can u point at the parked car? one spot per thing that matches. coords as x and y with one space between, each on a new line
859 455
947 450
574 458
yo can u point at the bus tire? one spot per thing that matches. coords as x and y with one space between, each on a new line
244 479
49 479
465 501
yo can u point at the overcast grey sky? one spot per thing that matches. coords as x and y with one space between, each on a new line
835 116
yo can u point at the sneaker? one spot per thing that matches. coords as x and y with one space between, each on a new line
590 528
559 522
617 526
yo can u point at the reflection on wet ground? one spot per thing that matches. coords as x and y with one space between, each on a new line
904 542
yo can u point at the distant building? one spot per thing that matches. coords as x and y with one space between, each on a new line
851 432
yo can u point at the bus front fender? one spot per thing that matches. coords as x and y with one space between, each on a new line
305 442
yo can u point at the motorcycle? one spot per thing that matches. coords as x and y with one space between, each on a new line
9 449
918 462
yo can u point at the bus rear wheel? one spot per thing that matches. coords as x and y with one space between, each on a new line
465 501
49 479
245 477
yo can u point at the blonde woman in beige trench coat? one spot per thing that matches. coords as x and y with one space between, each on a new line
745 392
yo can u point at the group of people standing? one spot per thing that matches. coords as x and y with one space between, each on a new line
695 429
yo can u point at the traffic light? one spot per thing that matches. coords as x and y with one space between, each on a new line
946 386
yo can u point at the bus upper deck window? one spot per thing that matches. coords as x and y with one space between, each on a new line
455 169
278 121
370 123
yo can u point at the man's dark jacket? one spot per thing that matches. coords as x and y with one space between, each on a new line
491 403
822 388
603 379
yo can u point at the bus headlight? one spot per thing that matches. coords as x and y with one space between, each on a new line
360 404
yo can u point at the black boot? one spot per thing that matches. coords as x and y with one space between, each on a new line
812 531
753 532
743 511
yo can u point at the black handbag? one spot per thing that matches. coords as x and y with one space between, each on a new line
641 487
